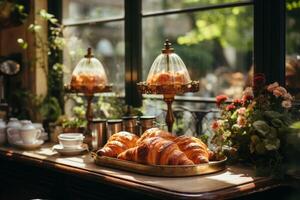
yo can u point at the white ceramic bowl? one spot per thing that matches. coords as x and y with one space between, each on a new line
71 140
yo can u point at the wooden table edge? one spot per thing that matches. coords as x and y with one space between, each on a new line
259 185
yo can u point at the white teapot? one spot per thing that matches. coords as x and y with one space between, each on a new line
2 132
13 127
29 134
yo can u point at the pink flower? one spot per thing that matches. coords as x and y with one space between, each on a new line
221 99
248 92
288 96
282 89
241 111
279 92
241 121
272 86
286 104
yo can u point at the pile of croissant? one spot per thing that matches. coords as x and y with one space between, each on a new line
157 147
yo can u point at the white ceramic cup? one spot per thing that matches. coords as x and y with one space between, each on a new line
30 136
13 135
71 140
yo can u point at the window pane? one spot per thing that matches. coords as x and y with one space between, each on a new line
74 10
293 47
215 45
159 5
107 42
190 118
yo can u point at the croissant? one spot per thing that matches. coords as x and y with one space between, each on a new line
155 132
118 143
156 151
211 154
194 149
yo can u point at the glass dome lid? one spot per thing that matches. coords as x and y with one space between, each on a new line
89 74
168 69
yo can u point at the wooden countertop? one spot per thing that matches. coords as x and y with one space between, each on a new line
232 182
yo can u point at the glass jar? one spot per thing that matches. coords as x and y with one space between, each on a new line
113 126
98 131
130 124
146 122
89 74
168 69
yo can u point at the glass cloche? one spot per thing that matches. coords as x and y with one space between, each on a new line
88 75
168 69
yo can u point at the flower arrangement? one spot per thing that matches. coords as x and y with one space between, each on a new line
254 128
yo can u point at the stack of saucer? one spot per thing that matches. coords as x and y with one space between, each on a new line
70 144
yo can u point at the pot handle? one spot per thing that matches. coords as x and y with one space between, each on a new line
9 133
39 133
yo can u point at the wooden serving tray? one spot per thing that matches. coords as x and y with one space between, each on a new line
161 170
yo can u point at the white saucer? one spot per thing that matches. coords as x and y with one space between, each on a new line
68 151
32 146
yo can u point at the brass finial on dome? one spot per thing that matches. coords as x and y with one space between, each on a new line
167 47
89 53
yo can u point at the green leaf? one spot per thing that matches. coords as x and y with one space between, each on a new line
260 148
234 115
255 139
277 123
34 28
22 43
262 127
236 128
273 133
272 114
295 125
53 20
44 14
272 144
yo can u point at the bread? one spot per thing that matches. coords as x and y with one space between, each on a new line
156 151
194 149
168 78
155 132
118 143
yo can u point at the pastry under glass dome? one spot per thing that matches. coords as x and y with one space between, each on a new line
168 69
168 76
88 79
89 75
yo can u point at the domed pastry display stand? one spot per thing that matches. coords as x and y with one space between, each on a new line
88 93
169 90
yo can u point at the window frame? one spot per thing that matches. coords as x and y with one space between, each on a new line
269 40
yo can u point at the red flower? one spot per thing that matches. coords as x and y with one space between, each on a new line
246 99
259 81
237 102
215 125
230 107
221 99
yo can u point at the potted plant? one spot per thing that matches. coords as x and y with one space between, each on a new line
74 125
255 128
